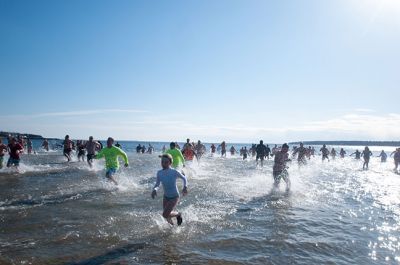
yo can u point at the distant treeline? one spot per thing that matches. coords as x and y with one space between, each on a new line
15 134
362 143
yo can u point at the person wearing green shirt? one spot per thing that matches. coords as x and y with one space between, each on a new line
177 157
111 154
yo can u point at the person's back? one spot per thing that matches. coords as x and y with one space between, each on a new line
261 150
178 159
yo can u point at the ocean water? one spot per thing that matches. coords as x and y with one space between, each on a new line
54 212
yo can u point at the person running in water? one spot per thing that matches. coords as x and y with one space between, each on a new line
261 151
357 153
68 146
213 149
3 150
396 157
14 149
325 152
164 148
178 160
29 145
383 156
342 153
81 150
45 145
200 149
280 169
232 151
111 154
366 155
187 143
118 145
245 153
167 177
91 147
333 153
188 153
302 153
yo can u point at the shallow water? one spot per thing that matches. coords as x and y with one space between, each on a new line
54 212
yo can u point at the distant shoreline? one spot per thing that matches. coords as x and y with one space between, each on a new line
363 143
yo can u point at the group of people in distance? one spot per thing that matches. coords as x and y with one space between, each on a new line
173 161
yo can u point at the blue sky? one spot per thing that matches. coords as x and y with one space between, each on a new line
211 70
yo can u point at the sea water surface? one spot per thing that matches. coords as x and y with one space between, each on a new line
54 212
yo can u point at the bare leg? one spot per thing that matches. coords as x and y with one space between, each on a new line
111 178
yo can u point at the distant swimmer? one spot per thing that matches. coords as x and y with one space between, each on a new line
14 149
150 150
302 154
223 149
45 145
325 152
3 150
396 157
167 177
68 146
29 145
261 151
280 169
232 150
357 153
333 153
81 150
139 149
164 148
143 149
366 155
91 147
177 158
383 156
111 154
118 145
342 153
213 149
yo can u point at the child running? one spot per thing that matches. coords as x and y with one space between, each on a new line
167 176
111 154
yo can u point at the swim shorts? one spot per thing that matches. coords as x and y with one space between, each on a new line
110 171
169 204
12 162
90 157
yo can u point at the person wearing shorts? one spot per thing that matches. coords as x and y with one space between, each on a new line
280 169
15 149
91 147
167 176
111 154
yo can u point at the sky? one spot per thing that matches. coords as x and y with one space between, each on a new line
229 70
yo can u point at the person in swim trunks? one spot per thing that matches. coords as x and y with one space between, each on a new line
280 169
167 176
111 154
3 149
68 146
357 153
45 145
15 149
342 153
383 156
302 152
91 147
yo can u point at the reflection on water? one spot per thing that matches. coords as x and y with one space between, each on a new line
54 212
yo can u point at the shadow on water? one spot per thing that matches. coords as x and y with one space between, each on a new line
53 199
111 255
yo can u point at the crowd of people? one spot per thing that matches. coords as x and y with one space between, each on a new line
173 160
